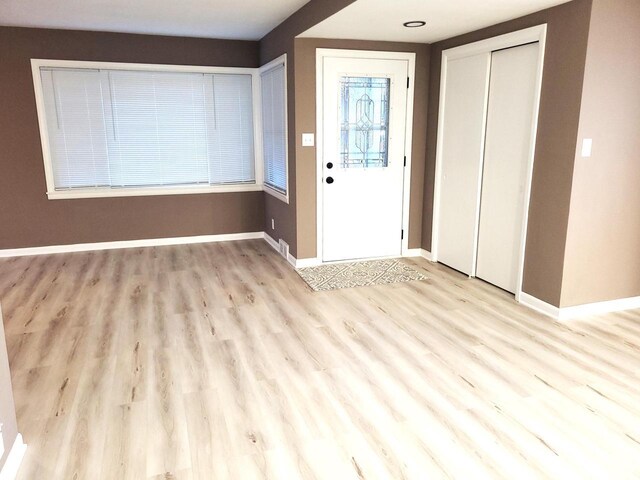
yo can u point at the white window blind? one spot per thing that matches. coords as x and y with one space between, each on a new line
274 128
120 128
76 126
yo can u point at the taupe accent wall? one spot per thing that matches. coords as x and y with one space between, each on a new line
564 68
602 260
279 41
305 114
29 219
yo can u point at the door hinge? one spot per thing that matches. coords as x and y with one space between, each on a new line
405 160
402 234
407 82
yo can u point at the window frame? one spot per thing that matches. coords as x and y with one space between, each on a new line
281 60
53 194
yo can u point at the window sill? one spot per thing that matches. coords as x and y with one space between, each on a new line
151 191
275 193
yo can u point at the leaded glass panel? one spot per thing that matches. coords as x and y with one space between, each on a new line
364 122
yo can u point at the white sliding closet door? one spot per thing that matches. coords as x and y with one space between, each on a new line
508 137
467 81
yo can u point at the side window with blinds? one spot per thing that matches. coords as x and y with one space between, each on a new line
117 129
274 126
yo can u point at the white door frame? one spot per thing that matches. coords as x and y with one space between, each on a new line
513 39
321 54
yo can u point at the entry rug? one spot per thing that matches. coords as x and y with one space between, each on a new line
358 274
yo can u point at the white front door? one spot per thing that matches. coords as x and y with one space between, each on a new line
363 115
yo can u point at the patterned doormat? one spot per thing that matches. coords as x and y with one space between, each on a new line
358 274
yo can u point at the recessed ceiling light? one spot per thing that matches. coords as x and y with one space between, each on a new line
414 24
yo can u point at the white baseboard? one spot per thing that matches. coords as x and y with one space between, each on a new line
269 239
314 262
568 313
426 254
295 263
152 242
539 306
14 459
417 252
304 262
598 308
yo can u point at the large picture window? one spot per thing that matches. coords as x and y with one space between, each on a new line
119 129
274 129
114 129
142 131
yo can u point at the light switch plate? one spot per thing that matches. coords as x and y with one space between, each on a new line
308 139
587 145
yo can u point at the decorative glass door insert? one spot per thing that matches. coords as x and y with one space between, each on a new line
364 122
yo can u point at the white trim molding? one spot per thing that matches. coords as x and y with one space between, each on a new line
293 261
579 311
158 242
14 459
513 39
410 57
151 242
599 308
538 305
104 192
257 185
269 239
303 262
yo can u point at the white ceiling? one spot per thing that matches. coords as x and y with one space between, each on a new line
236 19
383 19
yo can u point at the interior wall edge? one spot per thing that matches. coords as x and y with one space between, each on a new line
11 439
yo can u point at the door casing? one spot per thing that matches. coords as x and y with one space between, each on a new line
513 39
321 54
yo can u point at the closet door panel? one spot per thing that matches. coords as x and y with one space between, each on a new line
465 104
509 125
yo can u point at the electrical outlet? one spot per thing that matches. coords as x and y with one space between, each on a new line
273 224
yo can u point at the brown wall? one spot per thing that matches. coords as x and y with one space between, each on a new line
602 260
564 67
279 41
305 114
29 219
7 407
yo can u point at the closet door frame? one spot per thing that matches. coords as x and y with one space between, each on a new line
509 40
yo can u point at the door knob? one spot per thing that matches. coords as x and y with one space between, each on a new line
329 180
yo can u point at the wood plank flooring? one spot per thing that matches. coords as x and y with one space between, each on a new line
216 361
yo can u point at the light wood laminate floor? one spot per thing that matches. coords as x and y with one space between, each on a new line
215 361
